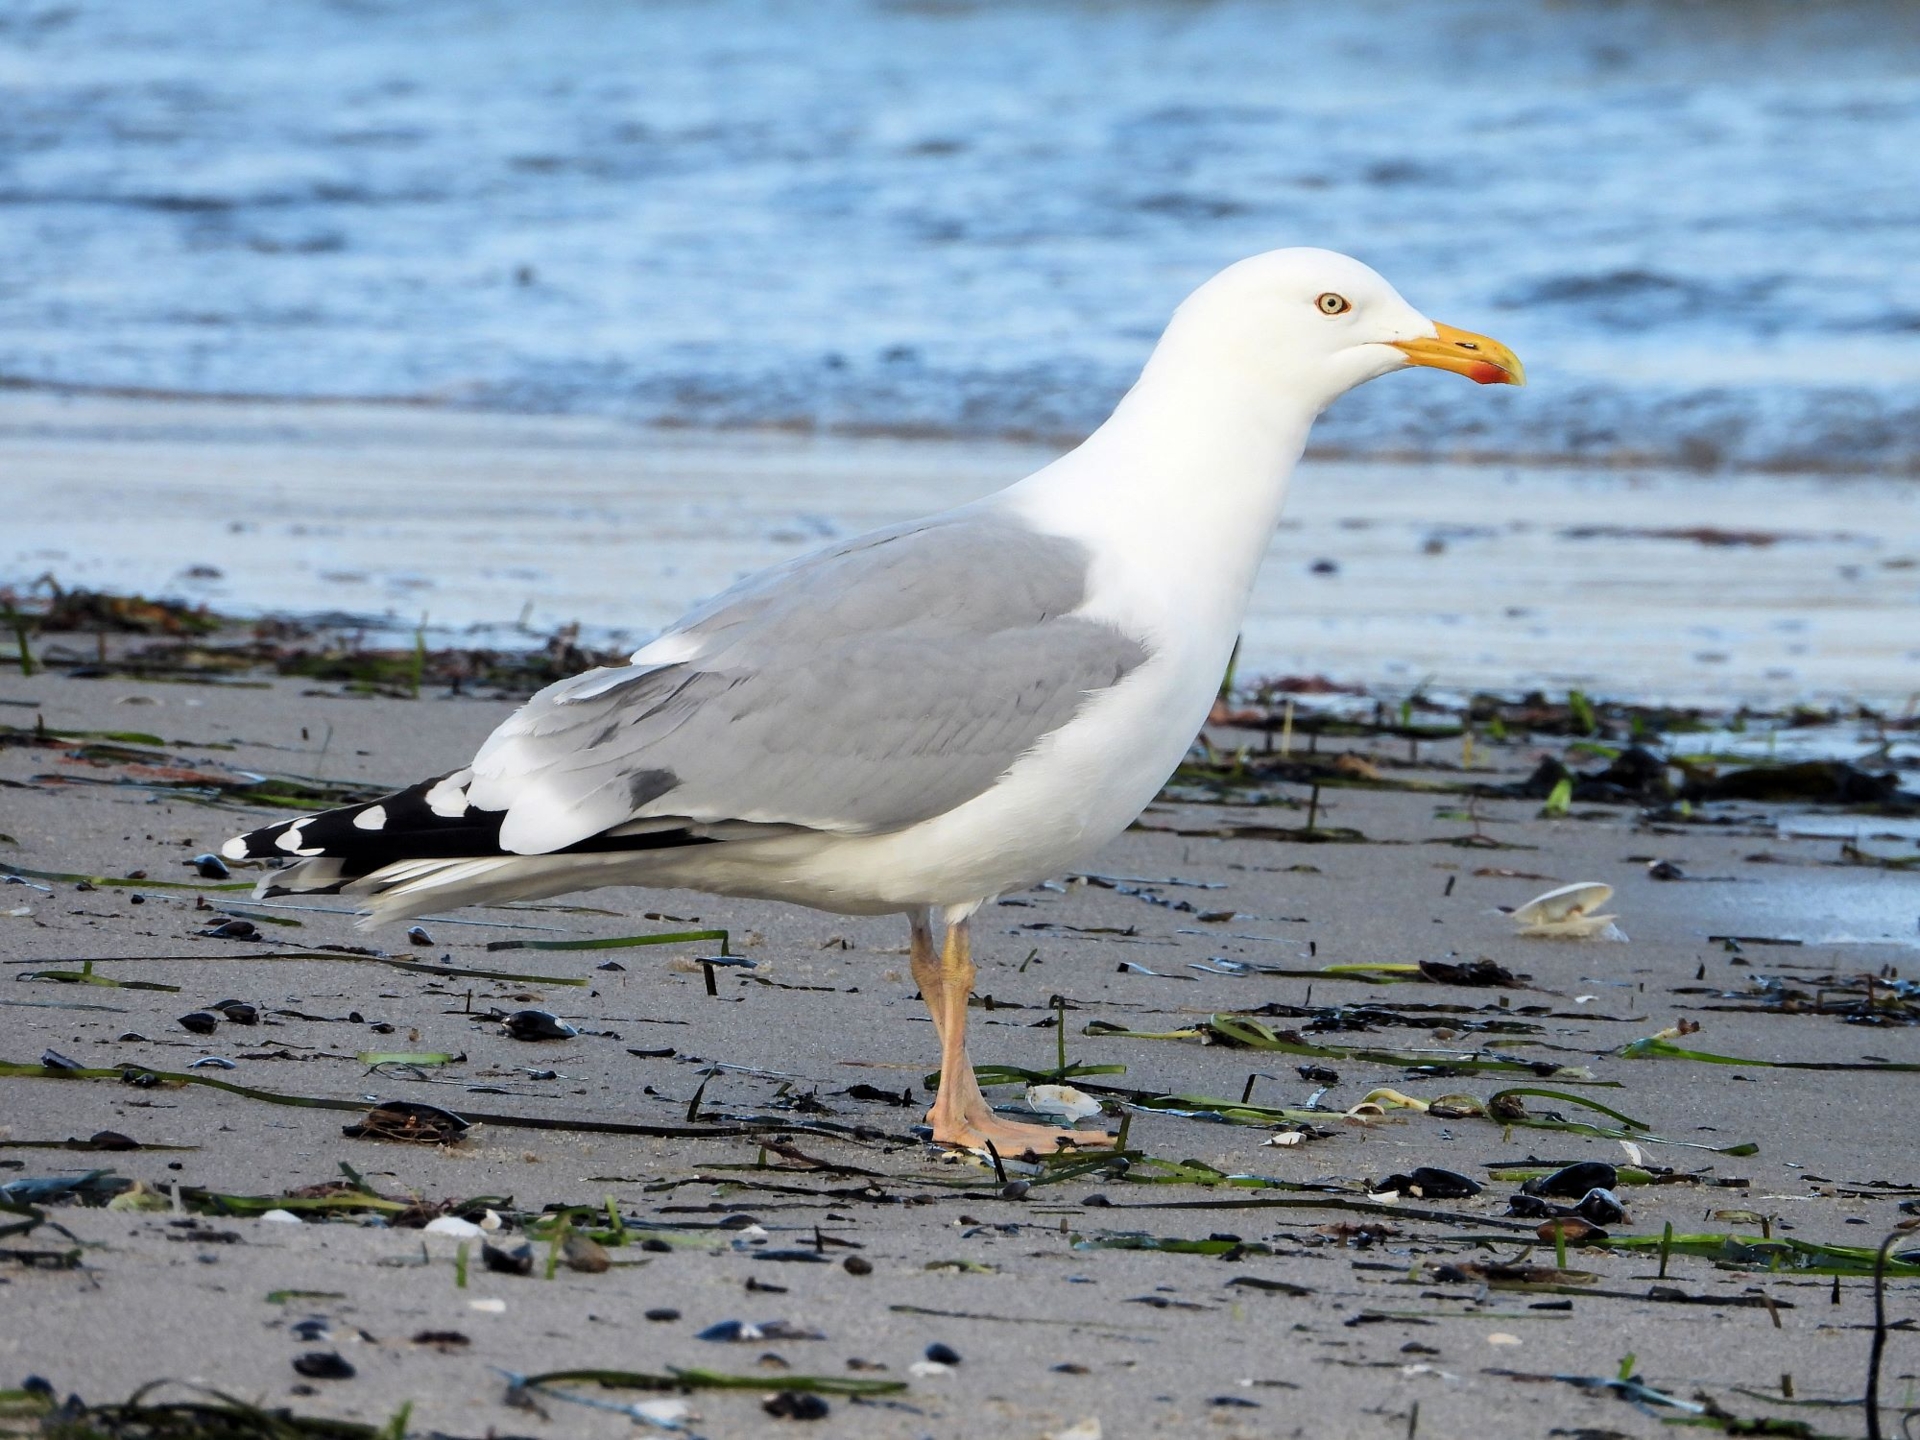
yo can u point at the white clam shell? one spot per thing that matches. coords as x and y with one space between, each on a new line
1061 1100
1568 913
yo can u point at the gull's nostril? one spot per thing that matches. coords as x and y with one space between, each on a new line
1466 345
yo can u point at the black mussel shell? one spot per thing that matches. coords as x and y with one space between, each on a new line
1574 1181
538 1025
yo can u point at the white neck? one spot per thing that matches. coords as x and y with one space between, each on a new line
1180 489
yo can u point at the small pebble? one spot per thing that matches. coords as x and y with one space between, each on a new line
796 1405
537 1025
419 936
517 1261
323 1365
199 1022
855 1265
229 929
662 1316
211 867
585 1254
942 1354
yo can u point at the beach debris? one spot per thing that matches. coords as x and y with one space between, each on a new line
1571 1230
199 1022
282 1217
210 867
515 1261
1567 913
409 1121
1084 1429
1063 1101
737 1332
537 1025
1821 781
584 1254
232 930
795 1405
1426 1182
1660 1046
418 935
1243 1031
1570 1182
213 1062
1598 1208
455 1226
1636 776
209 1414
323 1365
941 1354
237 1011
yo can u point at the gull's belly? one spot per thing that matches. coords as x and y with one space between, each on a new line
1057 805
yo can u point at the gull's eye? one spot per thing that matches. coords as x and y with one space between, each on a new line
1332 304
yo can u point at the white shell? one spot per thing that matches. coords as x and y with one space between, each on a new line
664 1412
1568 913
1062 1100
282 1217
453 1225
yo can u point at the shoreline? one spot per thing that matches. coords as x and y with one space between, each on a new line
1551 459
1658 586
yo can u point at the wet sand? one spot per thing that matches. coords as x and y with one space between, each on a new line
1050 1327
1651 585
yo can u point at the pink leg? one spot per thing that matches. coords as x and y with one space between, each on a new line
961 1115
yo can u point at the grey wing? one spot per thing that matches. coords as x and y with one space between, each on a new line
859 690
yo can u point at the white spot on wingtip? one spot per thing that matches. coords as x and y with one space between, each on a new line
236 848
448 799
373 817
289 838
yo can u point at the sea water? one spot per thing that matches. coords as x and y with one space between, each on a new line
1695 222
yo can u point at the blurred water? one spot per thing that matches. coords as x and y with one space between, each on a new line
1695 221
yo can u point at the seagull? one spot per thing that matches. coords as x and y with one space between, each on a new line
926 717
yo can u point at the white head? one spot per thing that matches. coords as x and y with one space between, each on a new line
1309 325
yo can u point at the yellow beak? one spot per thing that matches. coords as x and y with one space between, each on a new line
1484 361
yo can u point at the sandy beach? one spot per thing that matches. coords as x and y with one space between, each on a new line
774 1154
1506 1015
